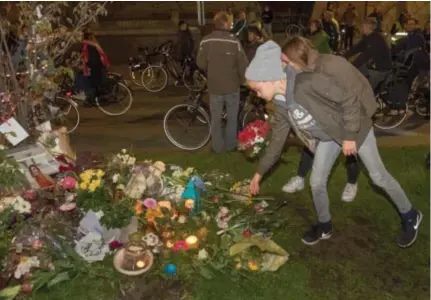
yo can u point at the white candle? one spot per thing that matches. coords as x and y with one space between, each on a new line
192 241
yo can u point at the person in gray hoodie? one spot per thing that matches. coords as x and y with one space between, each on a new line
328 118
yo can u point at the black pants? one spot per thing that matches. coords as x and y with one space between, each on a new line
348 37
96 79
306 164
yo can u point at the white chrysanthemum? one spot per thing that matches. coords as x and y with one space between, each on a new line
115 178
202 254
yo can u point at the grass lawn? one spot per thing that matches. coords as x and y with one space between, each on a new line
360 261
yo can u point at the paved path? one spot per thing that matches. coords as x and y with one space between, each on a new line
142 128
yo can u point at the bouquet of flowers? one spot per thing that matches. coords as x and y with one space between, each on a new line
254 138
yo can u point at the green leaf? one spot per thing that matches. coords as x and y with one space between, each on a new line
59 278
42 279
10 293
206 273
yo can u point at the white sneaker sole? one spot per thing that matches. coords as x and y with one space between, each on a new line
325 237
289 191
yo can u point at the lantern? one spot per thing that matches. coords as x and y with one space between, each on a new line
135 257
192 194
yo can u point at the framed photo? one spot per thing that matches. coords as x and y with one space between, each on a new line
37 164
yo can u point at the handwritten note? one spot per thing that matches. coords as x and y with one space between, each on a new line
13 131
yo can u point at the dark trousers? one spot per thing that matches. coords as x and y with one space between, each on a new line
348 38
95 83
306 164
227 140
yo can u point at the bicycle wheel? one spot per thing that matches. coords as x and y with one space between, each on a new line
154 78
252 114
293 30
117 102
387 117
194 80
422 107
135 76
65 113
189 133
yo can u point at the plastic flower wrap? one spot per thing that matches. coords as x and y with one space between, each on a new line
92 247
91 180
241 191
254 138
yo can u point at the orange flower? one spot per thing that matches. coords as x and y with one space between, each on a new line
153 213
138 208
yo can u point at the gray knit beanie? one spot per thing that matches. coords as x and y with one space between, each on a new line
266 64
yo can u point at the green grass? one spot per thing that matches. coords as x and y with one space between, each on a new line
360 261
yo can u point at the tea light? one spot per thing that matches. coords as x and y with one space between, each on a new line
192 241
140 264
169 244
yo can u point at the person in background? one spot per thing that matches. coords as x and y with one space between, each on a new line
349 19
374 60
415 44
240 27
331 115
230 15
319 37
377 15
398 25
255 39
94 63
222 57
267 17
184 42
332 29
414 39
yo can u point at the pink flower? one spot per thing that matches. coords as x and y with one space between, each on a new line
150 203
69 183
29 195
180 245
115 245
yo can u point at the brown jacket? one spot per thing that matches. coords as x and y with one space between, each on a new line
222 57
339 98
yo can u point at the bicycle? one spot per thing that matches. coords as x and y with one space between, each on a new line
295 26
138 63
197 110
394 98
190 75
112 91
59 108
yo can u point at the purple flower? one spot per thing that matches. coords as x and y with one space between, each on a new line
150 203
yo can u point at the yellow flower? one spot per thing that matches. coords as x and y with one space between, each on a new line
188 171
189 204
92 187
96 182
100 173
83 186
252 265
85 177
238 266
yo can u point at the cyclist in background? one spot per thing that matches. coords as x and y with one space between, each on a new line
184 42
240 28
319 37
374 60
255 39
95 64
